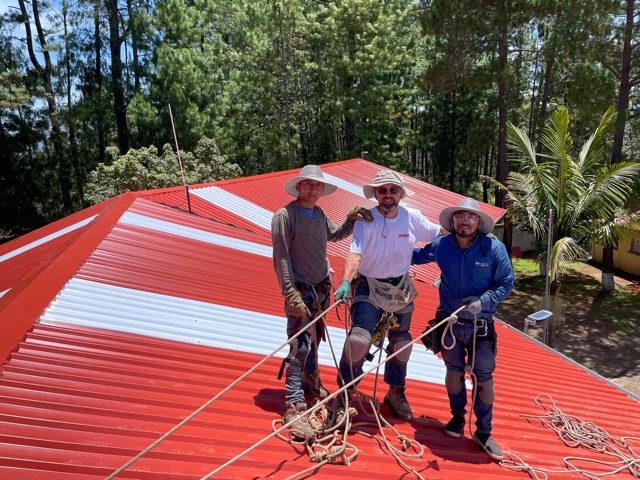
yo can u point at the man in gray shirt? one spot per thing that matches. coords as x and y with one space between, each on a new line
299 233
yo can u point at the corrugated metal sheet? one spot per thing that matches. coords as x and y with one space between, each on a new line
166 309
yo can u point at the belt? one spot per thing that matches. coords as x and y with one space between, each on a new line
477 320
391 280
320 285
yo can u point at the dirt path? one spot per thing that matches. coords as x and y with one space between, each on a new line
595 329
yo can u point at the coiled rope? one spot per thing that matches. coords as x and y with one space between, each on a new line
326 400
575 432
331 444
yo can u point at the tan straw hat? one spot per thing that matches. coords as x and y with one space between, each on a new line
309 172
469 205
385 177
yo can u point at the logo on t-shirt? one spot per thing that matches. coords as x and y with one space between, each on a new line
403 235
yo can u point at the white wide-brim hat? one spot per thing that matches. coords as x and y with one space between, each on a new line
469 205
309 172
386 177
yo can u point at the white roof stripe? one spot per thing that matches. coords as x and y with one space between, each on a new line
93 304
343 184
255 213
48 238
235 204
3 293
143 221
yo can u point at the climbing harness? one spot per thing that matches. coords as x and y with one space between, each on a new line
407 443
325 452
387 321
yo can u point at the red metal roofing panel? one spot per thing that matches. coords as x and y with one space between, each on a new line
203 208
78 401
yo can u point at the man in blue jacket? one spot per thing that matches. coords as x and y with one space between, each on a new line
476 272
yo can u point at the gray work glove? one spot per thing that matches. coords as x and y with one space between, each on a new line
359 213
295 306
474 305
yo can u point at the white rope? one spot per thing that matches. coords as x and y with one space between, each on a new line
575 433
324 401
219 394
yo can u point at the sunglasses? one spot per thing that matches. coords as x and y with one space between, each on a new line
391 190
470 217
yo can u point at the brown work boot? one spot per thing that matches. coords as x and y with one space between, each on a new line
301 429
397 400
338 409
313 387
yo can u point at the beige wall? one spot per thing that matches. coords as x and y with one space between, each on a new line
623 258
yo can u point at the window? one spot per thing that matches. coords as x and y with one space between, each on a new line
635 245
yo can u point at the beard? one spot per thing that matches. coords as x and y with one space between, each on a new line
386 207
465 232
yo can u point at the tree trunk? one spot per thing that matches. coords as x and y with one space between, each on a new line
59 161
452 144
71 125
119 103
544 100
624 90
503 166
135 43
98 73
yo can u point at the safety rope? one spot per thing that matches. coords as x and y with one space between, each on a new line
330 443
326 400
219 394
575 433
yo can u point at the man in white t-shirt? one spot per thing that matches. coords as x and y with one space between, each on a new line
377 270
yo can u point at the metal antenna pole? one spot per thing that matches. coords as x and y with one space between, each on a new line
547 286
184 181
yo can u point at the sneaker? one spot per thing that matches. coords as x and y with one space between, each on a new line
455 427
486 442
312 388
397 401
301 429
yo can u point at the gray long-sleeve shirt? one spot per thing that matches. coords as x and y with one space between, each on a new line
300 245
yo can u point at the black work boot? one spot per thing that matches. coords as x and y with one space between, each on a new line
455 427
313 387
301 429
486 442
397 400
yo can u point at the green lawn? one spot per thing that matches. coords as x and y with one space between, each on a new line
582 294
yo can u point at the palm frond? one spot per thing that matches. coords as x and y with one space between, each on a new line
564 252
592 152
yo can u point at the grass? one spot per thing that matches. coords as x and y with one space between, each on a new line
583 293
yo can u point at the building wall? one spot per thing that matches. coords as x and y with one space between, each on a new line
626 257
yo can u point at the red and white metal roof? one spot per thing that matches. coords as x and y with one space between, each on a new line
122 319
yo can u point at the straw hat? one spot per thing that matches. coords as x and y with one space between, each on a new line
385 177
469 205
309 172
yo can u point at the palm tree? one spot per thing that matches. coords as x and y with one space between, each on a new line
585 193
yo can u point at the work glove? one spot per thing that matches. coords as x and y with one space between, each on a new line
359 213
344 291
474 305
295 306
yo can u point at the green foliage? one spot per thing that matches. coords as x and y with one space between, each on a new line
145 168
282 83
584 192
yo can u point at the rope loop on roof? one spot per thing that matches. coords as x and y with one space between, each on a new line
618 454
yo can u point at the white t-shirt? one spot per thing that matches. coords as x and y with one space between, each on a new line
386 244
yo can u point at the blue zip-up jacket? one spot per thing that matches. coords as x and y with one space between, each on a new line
483 270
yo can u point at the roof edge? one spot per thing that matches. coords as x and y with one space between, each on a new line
620 388
25 310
